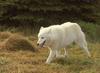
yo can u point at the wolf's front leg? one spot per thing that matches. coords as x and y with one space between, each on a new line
51 56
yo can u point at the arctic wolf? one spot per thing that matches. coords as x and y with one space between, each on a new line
60 36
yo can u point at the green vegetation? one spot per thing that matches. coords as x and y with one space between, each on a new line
91 30
47 12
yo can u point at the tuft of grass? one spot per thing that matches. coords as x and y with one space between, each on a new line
18 42
4 35
4 61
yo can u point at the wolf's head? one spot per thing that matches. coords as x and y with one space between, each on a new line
43 36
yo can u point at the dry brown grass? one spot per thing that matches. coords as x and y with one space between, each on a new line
29 62
25 61
17 42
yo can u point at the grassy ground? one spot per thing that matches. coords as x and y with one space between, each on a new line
27 61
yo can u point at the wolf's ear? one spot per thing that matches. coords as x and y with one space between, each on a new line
41 27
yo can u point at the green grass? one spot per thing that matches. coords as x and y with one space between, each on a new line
91 30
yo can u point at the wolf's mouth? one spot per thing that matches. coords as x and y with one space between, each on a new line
43 43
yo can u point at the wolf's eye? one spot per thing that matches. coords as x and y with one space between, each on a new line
42 37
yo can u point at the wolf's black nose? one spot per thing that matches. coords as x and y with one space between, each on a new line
37 44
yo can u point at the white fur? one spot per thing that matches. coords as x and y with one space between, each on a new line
59 36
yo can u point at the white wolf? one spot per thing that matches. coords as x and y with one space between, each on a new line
59 36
